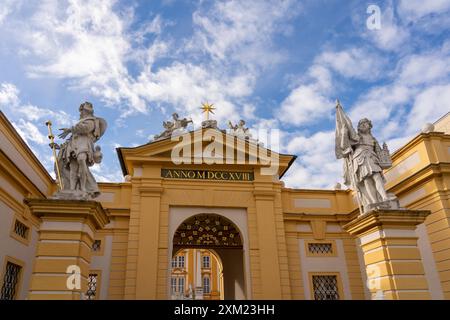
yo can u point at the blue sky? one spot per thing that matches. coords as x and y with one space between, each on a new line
275 64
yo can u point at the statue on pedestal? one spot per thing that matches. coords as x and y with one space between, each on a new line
77 154
364 161
178 126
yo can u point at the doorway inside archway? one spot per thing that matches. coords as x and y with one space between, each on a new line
196 274
206 240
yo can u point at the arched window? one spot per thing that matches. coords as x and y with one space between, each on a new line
206 287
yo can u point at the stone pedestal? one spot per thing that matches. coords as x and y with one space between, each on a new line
65 240
392 258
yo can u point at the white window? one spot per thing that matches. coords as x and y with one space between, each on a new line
173 284
181 285
206 287
174 262
180 261
206 262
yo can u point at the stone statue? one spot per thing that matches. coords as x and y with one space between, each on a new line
78 153
364 161
178 126
240 130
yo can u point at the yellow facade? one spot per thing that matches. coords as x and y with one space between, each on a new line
276 242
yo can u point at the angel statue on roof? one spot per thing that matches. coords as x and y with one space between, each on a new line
78 153
239 129
364 161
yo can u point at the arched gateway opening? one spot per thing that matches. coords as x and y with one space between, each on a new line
207 259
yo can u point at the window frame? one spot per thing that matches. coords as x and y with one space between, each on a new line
14 235
333 252
179 284
19 263
208 258
340 290
181 258
206 277
102 247
98 283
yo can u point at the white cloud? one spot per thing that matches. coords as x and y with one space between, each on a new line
92 44
29 132
392 35
417 77
103 174
429 105
6 8
9 95
353 63
10 100
305 104
316 165
410 10
424 68
242 30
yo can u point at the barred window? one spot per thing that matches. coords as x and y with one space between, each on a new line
206 287
92 286
21 229
325 287
10 281
319 248
206 261
96 245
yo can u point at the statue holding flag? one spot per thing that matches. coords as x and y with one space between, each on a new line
364 161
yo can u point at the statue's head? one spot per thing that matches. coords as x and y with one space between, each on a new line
86 109
364 125
175 115
241 123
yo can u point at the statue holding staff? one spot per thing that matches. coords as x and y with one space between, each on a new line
78 153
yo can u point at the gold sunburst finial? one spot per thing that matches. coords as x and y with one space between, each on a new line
208 108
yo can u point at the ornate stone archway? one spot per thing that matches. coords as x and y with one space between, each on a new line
207 230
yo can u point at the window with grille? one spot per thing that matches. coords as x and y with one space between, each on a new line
325 287
21 229
10 281
206 287
320 248
92 286
206 261
96 245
